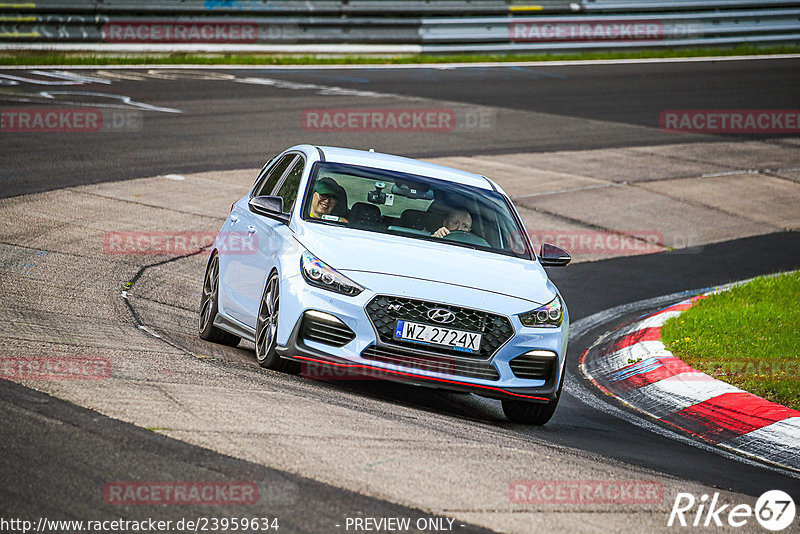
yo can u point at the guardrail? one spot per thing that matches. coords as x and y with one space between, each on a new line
627 6
610 31
482 26
411 8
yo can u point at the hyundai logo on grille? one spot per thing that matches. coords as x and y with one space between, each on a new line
441 315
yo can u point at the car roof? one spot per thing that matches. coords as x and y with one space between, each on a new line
401 164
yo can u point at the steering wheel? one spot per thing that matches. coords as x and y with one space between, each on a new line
460 236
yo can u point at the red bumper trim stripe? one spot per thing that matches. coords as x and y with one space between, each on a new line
411 375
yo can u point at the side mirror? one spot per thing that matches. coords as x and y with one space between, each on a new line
269 207
553 256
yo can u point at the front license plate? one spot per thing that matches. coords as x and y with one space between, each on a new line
438 335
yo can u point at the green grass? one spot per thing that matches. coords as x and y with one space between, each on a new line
748 336
90 59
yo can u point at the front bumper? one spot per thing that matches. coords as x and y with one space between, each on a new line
490 376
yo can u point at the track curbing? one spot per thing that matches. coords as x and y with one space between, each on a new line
633 365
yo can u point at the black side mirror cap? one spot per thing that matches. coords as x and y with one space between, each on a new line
267 206
553 256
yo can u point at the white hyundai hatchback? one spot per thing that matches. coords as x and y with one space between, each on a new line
390 267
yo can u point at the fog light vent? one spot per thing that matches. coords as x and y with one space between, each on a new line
534 365
325 328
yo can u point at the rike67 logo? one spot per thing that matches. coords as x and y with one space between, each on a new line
774 510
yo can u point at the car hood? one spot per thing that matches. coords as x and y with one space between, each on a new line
352 251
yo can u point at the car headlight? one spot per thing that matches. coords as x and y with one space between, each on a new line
551 314
319 274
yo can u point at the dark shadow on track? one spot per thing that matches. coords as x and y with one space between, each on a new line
83 451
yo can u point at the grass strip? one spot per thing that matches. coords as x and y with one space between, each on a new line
91 59
748 336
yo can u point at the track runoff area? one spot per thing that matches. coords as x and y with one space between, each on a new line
611 183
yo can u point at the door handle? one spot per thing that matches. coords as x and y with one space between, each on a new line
234 219
251 229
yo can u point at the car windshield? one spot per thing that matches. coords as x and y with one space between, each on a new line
413 206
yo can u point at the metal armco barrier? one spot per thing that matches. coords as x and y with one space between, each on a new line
626 6
126 29
407 26
411 8
611 31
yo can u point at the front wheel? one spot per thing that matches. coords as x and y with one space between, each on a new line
267 330
529 413
532 413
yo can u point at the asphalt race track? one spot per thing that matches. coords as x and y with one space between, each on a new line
57 449
233 125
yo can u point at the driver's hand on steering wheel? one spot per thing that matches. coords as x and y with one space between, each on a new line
441 232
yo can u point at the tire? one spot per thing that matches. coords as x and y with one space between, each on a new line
529 413
532 413
209 308
267 330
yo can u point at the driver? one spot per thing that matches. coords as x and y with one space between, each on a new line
457 219
327 195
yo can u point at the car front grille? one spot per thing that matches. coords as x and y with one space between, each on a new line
327 332
384 312
533 366
436 364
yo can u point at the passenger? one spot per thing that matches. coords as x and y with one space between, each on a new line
457 220
327 195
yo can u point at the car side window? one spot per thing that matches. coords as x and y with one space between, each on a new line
288 190
273 175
